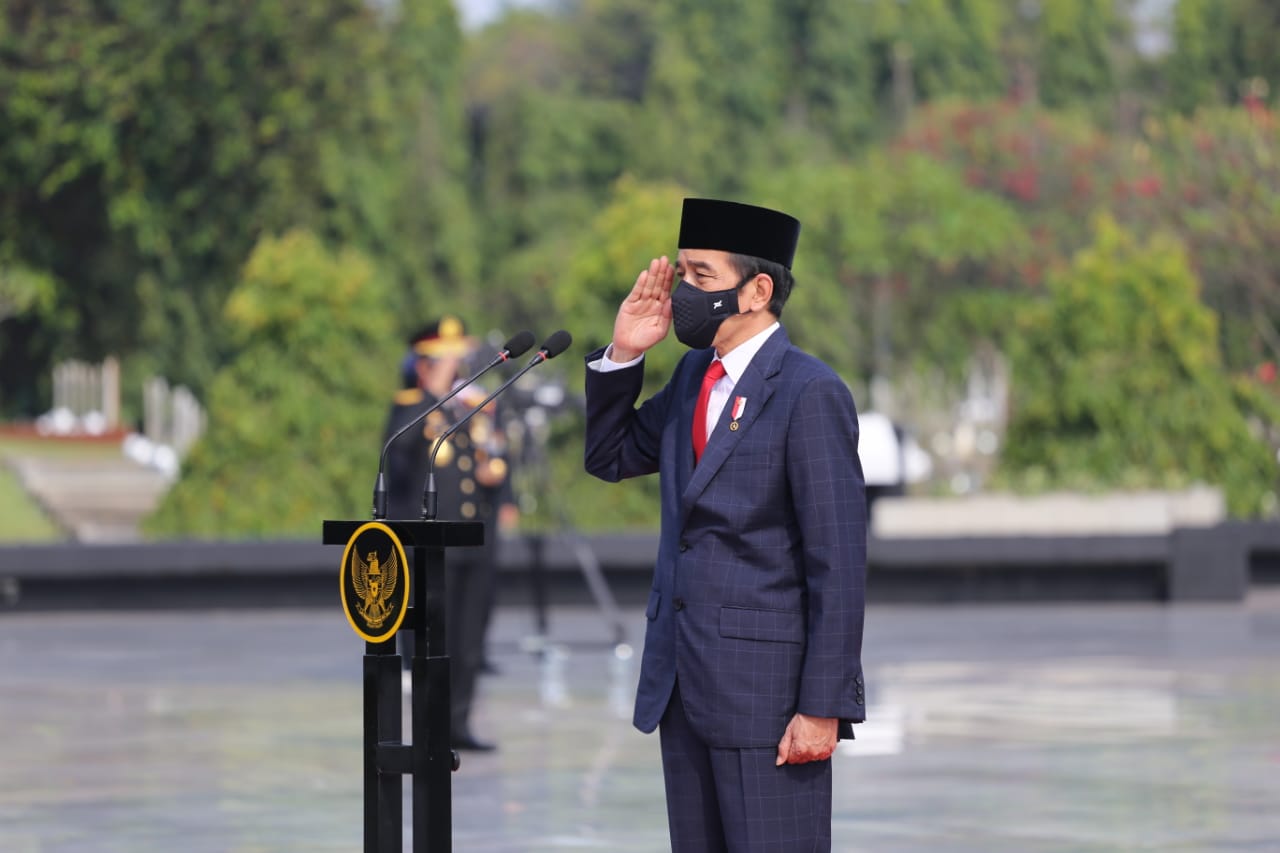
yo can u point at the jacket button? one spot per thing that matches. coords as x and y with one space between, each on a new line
684 546
677 603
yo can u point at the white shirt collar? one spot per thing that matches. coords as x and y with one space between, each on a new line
737 359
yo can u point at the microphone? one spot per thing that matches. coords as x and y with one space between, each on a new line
552 347
517 346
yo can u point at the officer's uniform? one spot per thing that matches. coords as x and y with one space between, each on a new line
473 454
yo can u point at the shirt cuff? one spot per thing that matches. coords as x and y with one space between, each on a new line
604 364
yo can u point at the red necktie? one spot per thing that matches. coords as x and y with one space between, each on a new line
715 370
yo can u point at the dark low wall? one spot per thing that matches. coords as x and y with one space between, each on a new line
1125 568
1260 543
1211 564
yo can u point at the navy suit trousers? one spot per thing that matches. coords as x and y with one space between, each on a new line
738 800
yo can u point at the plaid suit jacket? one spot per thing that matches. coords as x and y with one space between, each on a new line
759 587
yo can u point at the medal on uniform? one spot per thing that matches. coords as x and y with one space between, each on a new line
445 452
739 404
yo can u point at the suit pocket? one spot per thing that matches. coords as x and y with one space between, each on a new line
772 626
756 457
651 612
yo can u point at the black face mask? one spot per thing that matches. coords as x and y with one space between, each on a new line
697 314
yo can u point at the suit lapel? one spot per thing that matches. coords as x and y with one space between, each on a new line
756 385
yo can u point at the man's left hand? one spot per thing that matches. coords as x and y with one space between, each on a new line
808 739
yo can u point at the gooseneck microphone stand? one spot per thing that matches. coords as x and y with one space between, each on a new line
517 346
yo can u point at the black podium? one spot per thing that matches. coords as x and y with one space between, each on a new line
428 758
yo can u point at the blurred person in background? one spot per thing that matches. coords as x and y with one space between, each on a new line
473 483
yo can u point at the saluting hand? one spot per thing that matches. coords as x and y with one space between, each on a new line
645 315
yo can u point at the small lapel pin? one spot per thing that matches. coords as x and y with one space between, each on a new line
739 403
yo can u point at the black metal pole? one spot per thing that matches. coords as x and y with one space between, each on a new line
538 582
383 791
370 750
433 758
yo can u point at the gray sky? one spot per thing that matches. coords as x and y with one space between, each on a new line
477 13
1151 18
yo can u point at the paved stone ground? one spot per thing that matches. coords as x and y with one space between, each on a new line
1002 728
93 499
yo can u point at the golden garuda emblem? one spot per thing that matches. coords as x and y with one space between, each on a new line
375 583
374 580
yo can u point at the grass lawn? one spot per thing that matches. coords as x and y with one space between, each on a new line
21 518
24 445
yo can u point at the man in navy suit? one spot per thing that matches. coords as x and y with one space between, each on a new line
752 657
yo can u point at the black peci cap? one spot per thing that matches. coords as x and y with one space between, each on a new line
742 229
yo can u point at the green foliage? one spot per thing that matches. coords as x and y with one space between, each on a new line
296 417
1225 52
715 95
25 290
428 237
1075 44
950 46
523 174
147 146
565 103
1119 382
551 160
962 323
896 234
1213 180
834 82
611 46
24 293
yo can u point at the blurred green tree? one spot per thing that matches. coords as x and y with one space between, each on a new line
832 83
24 290
1224 52
885 244
1119 382
1213 179
713 105
296 417
1076 45
926 49
146 147
549 134
428 237
563 102
31 294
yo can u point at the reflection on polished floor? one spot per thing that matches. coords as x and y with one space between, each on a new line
993 728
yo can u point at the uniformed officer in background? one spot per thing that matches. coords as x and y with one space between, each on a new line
473 484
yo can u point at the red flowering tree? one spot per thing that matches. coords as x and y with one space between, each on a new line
1214 180
1054 169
